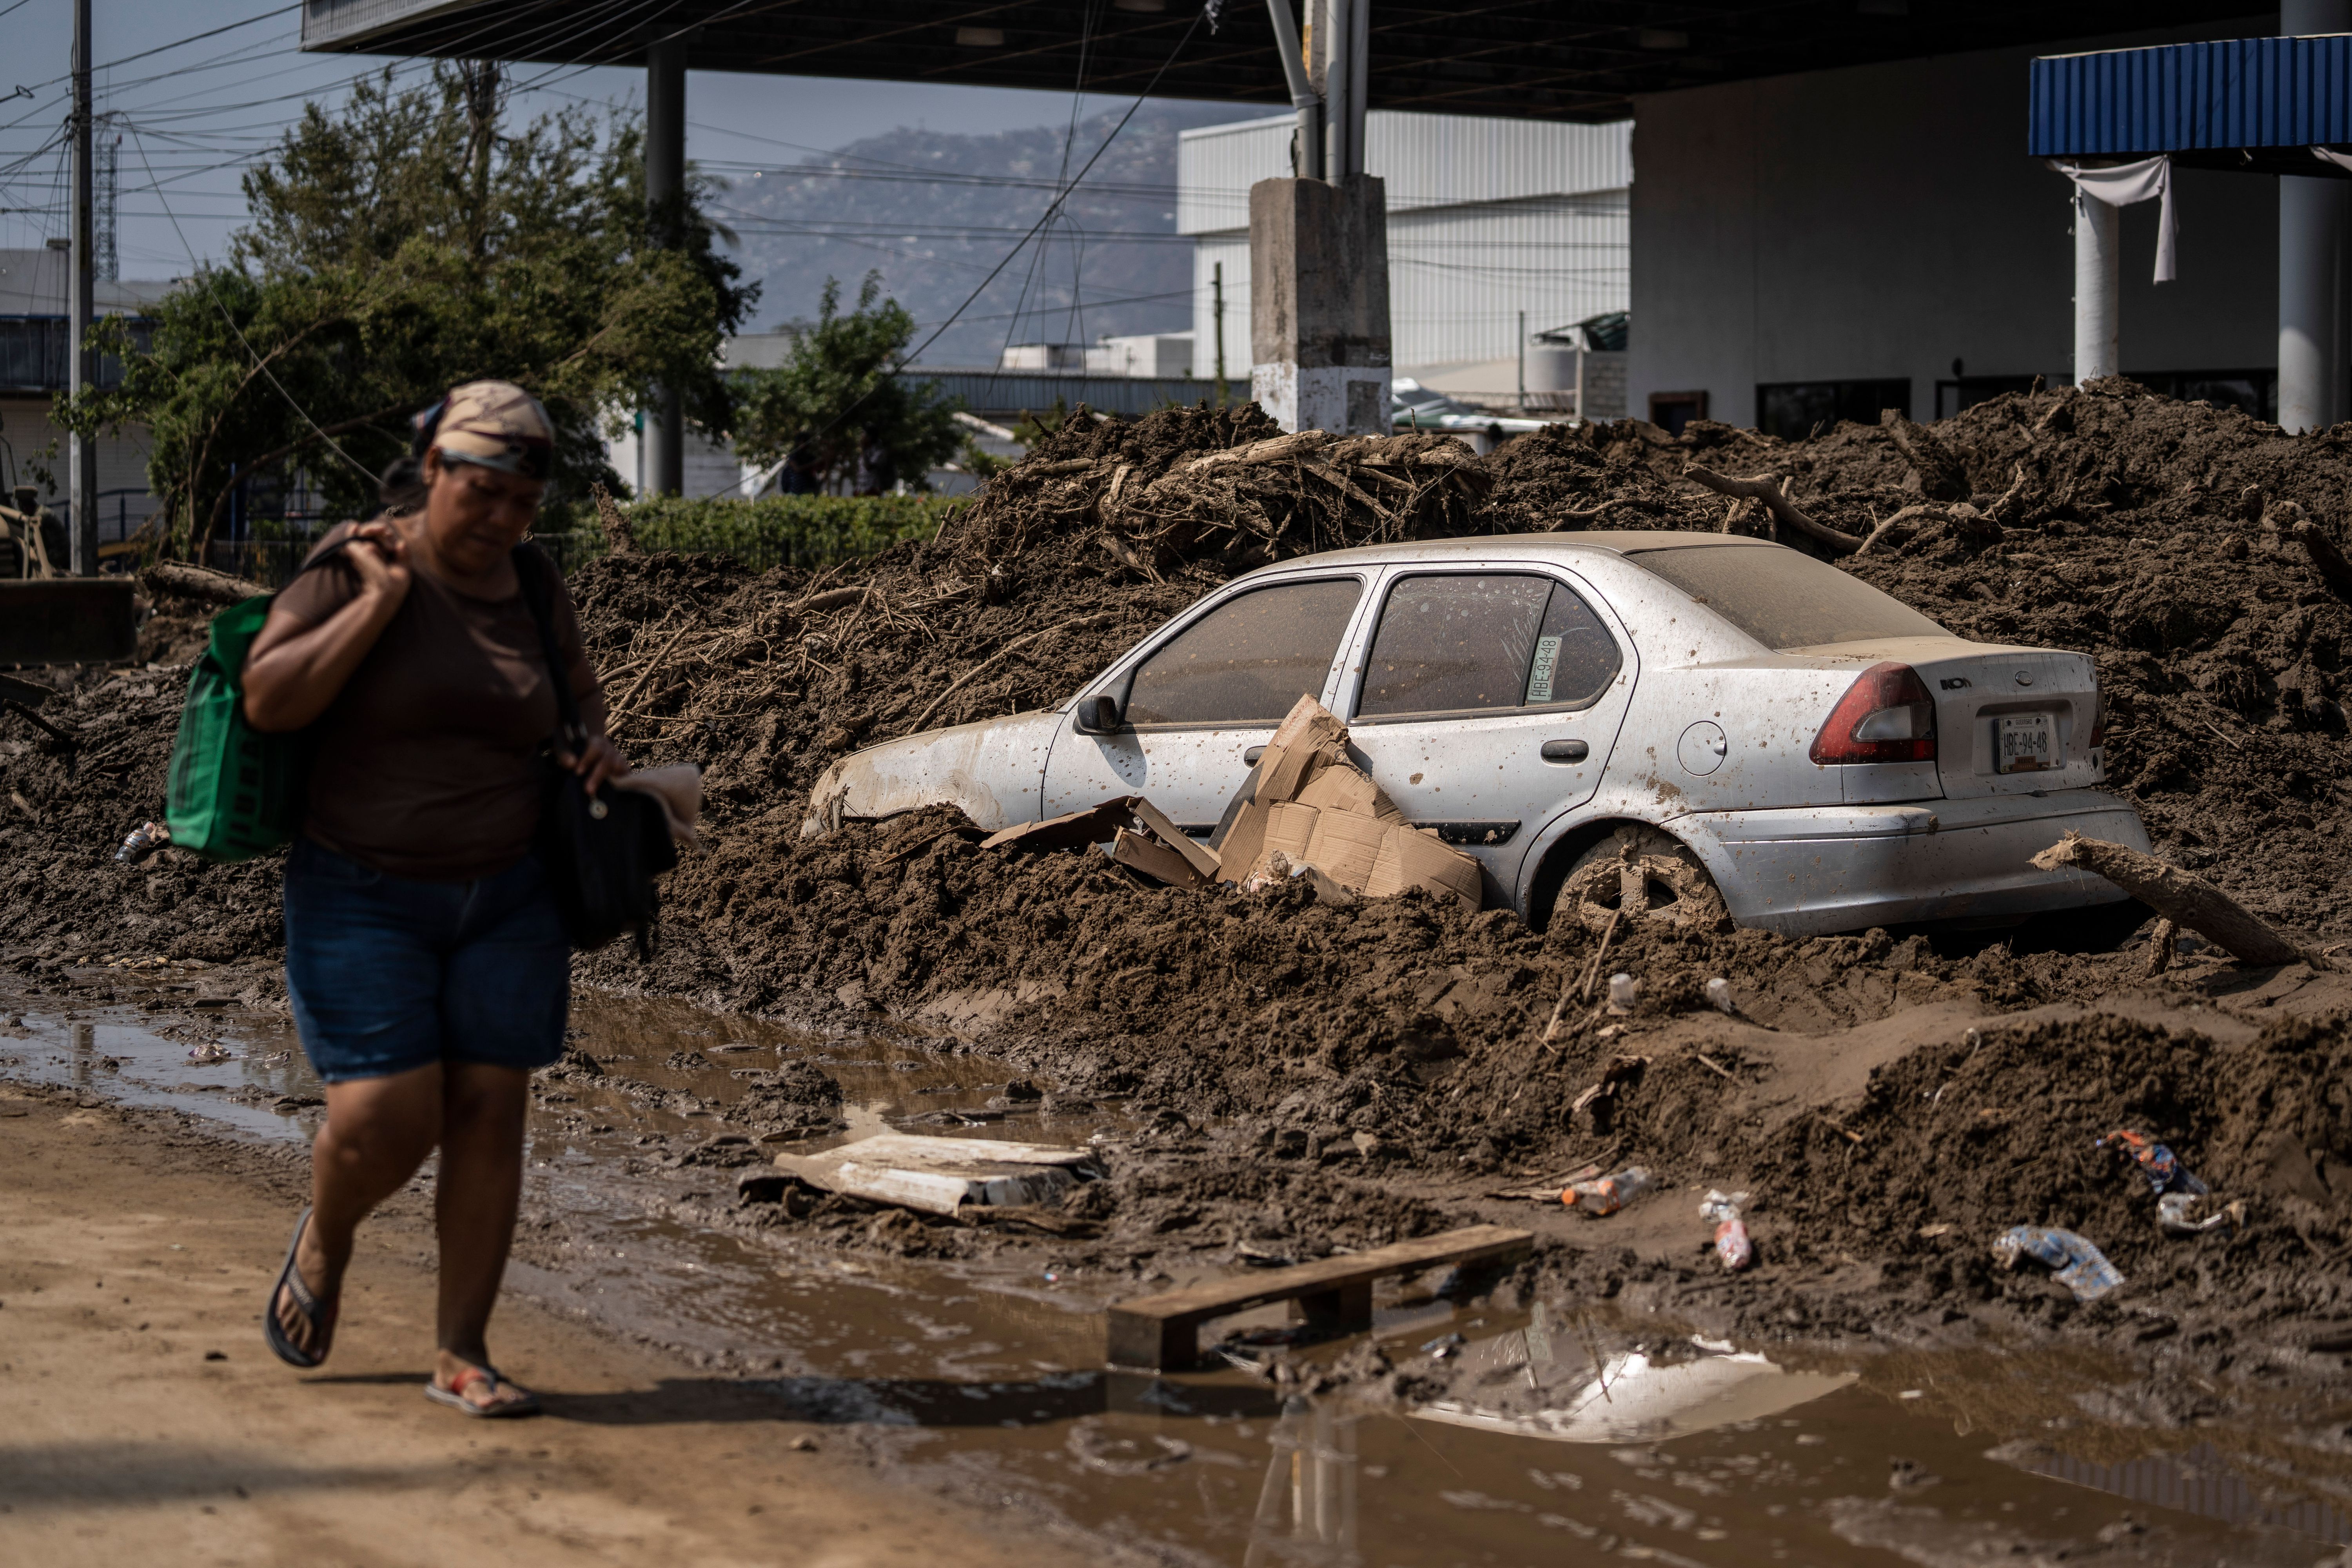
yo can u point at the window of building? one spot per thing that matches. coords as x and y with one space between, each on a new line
1793 410
1672 411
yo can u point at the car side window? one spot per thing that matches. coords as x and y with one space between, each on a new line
1248 661
1482 642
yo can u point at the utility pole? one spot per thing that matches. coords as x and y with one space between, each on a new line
81 452
1217 314
664 438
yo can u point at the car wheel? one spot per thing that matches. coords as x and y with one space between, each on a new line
1640 872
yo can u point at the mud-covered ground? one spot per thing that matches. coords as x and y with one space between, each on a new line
1307 1077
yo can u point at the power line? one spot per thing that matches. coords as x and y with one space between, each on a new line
204 274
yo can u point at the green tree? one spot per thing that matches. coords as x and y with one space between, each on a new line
836 400
404 245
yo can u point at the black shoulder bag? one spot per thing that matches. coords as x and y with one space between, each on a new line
602 854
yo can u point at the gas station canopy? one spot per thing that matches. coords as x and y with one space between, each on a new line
2259 105
1541 59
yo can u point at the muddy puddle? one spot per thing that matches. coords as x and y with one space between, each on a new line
1544 1431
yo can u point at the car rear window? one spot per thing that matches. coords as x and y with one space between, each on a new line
1246 662
1782 599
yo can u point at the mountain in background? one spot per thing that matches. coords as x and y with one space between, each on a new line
934 211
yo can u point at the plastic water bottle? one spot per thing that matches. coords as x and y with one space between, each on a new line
1623 991
1732 1247
1607 1194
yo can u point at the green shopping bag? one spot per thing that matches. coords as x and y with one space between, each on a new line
235 792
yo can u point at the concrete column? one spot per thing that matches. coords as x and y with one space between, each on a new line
1319 304
2310 303
665 430
2098 286
2311 281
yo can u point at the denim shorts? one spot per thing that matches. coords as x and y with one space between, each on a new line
387 974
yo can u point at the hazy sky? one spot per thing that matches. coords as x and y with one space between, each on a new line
194 113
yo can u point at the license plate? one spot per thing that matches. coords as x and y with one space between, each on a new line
2029 743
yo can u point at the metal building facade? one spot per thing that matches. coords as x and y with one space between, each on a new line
1488 219
2218 96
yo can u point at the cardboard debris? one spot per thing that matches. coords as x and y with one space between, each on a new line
1139 835
1303 810
940 1176
1148 855
1307 804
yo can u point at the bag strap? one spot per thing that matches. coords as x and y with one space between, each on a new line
537 576
321 559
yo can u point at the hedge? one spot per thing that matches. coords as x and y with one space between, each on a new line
775 531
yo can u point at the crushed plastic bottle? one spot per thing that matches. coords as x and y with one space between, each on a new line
1607 1194
144 840
2162 1168
1624 992
2175 1214
1718 994
1732 1246
2079 1265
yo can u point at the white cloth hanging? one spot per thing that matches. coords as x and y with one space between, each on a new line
2126 184
2341 160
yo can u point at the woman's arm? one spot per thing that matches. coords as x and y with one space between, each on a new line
600 759
296 668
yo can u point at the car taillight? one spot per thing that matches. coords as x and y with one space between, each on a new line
1886 716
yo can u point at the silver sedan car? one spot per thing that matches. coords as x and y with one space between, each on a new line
1717 724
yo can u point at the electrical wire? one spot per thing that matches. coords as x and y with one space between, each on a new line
205 274
908 359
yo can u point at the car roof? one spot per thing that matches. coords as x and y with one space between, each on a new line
1526 546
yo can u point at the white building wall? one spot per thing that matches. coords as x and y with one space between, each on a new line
1486 218
1883 221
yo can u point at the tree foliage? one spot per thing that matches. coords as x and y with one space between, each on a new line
404 245
836 399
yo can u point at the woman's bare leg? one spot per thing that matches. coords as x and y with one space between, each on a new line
482 1113
378 1131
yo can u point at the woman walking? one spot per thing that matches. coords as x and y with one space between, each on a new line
425 957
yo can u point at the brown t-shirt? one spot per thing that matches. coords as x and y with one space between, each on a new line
425 766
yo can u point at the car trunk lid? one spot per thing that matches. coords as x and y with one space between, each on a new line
2012 721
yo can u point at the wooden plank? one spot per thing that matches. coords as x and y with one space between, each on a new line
1162 1332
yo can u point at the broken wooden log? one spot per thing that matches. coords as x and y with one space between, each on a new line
831 599
1912 514
1272 450
1763 488
2183 898
199 583
1941 475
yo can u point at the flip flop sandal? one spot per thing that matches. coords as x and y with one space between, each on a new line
454 1396
319 1315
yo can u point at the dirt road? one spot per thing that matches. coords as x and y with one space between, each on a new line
144 1421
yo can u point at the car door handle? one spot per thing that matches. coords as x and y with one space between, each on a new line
1565 750
1250 757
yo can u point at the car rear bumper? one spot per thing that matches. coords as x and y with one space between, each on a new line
1806 870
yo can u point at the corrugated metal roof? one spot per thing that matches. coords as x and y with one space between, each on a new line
1428 160
2228 94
